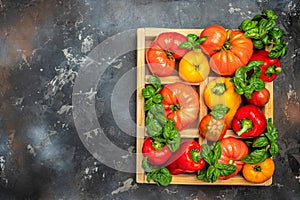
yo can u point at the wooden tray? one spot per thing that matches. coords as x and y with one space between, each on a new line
144 37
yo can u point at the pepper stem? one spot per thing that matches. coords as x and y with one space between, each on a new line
246 125
272 69
157 145
219 88
195 155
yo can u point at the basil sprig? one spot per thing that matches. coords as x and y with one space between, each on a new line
264 146
213 169
160 176
158 127
263 32
245 84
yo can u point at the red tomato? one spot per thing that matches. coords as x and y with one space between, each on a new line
259 98
181 104
156 157
163 51
233 150
212 129
229 49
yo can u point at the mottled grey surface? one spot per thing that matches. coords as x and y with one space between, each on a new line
49 52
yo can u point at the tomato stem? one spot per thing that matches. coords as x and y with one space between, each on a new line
246 125
219 88
227 45
257 168
169 53
175 107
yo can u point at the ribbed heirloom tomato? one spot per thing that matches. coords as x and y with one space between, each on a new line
228 49
259 173
233 150
163 51
181 104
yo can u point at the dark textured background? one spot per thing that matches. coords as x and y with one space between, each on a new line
43 46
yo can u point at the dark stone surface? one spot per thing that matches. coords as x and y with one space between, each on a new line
54 68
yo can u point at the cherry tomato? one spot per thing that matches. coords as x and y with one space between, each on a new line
212 129
181 104
194 67
163 51
259 98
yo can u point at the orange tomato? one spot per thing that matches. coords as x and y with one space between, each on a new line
194 67
259 173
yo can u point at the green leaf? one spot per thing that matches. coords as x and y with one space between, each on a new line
148 104
192 38
202 175
278 50
174 144
226 169
153 127
207 153
155 81
247 25
157 98
201 40
252 33
219 111
258 44
273 149
145 164
186 45
148 91
256 156
261 141
272 131
160 176
217 151
210 171
270 14
277 33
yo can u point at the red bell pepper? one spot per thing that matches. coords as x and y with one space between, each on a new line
187 158
249 121
156 152
271 66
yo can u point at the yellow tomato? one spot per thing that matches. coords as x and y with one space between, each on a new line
194 67
259 173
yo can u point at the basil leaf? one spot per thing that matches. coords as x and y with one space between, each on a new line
273 149
256 156
155 81
210 172
174 144
217 149
278 50
160 176
207 154
226 169
201 40
192 38
148 91
252 33
186 45
153 127
157 98
145 164
148 104
258 44
219 111
261 141
277 33
270 14
202 175
215 175
247 24
272 131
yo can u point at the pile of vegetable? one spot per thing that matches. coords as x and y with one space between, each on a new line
235 100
